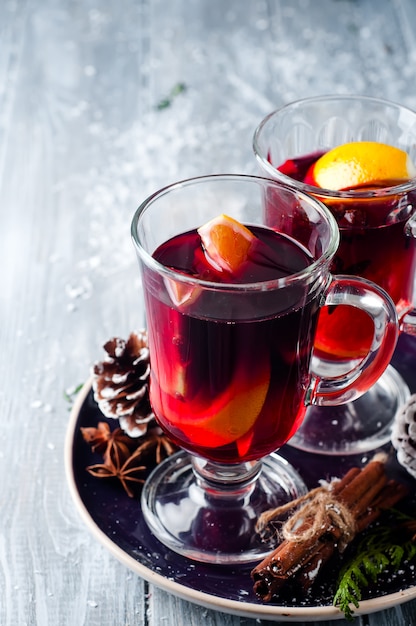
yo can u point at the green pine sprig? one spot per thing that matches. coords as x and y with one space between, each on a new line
174 92
70 394
379 550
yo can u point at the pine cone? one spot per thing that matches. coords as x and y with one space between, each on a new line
120 383
404 435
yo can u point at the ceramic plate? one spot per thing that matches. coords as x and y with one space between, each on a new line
116 521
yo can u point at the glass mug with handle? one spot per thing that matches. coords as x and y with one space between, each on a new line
377 237
232 308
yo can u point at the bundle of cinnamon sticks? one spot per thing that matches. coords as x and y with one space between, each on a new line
327 521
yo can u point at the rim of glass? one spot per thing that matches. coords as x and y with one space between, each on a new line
318 191
324 259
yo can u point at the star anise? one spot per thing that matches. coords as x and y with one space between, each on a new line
161 448
127 459
97 437
129 471
102 439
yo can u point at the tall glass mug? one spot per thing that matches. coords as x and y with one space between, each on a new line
377 241
230 354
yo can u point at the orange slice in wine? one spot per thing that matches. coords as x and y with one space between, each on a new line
226 242
217 421
183 293
360 164
344 331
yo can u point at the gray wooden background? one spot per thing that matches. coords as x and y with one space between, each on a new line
91 122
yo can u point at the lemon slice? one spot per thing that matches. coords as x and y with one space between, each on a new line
360 164
226 243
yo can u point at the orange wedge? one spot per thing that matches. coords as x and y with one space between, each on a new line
360 164
355 339
181 293
212 422
231 415
226 243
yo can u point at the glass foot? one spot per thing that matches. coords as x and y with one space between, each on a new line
359 426
208 512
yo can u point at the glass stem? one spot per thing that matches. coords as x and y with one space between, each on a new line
224 480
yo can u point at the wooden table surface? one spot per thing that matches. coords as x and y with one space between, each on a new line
101 103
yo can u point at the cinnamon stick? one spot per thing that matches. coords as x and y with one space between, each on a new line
361 490
392 493
344 509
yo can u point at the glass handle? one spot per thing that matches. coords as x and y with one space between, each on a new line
327 390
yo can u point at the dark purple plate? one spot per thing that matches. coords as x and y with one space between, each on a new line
116 521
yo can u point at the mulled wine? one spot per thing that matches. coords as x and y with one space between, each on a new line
373 244
231 315
229 374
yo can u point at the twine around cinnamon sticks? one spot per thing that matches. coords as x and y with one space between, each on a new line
326 520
